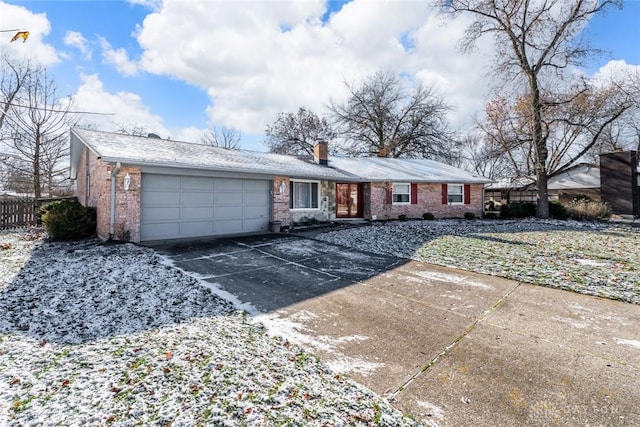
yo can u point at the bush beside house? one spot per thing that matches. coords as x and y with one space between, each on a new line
68 220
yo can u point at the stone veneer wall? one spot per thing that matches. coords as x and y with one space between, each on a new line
429 200
93 188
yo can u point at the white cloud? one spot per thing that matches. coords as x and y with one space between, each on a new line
119 58
77 40
38 26
256 59
151 4
617 71
190 134
120 108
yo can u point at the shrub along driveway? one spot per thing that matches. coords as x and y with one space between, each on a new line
447 346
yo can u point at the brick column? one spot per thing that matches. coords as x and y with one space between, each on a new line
280 200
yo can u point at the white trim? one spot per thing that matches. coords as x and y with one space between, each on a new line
455 203
310 181
393 193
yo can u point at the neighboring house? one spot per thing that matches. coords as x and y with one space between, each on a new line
508 190
616 181
582 179
147 189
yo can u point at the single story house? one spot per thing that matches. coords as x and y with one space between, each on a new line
582 179
508 190
147 189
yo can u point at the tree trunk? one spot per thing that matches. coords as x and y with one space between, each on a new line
540 143
36 168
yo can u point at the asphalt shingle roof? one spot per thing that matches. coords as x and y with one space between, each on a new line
136 150
143 151
404 170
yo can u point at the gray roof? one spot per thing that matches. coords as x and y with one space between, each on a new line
519 183
583 175
143 151
404 170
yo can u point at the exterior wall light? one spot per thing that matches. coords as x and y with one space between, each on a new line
127 182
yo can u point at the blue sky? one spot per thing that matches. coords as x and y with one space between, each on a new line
177 67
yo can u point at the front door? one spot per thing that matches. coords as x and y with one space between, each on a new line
348 200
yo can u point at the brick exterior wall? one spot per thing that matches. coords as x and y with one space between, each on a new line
93 188
127 225
280 200
429 200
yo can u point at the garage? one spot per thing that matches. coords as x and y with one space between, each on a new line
190 206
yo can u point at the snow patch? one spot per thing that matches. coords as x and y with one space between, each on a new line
451 278
632 343
213 287
300 248
350 365
590 262
575 324
291 329
432 415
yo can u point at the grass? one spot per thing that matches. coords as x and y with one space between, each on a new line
589 258
602 263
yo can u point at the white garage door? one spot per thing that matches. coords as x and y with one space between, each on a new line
182 206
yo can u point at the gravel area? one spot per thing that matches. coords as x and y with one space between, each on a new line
105 334
589 258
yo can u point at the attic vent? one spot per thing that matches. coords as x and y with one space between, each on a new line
153 135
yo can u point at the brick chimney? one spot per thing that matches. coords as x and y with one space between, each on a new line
321 153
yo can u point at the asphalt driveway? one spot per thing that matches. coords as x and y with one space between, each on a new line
446 346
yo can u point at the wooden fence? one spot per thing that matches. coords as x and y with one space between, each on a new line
17 213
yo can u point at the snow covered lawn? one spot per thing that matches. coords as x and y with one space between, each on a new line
95 334
590 258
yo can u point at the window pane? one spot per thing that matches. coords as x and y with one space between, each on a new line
314 195
401 193
400 198
455 193
291 185
401 188
302 195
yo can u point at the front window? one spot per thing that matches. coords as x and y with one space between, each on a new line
304 195
455 193
401 193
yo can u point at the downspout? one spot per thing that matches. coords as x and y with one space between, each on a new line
484 199
112 210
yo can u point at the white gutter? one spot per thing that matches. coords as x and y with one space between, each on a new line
112 210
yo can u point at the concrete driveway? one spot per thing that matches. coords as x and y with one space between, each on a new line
448 347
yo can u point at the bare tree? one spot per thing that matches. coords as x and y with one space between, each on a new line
12 79
37 123
587 117
223 137
479 155
297 133
506 138
575 127
383 118
133 129
535 41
